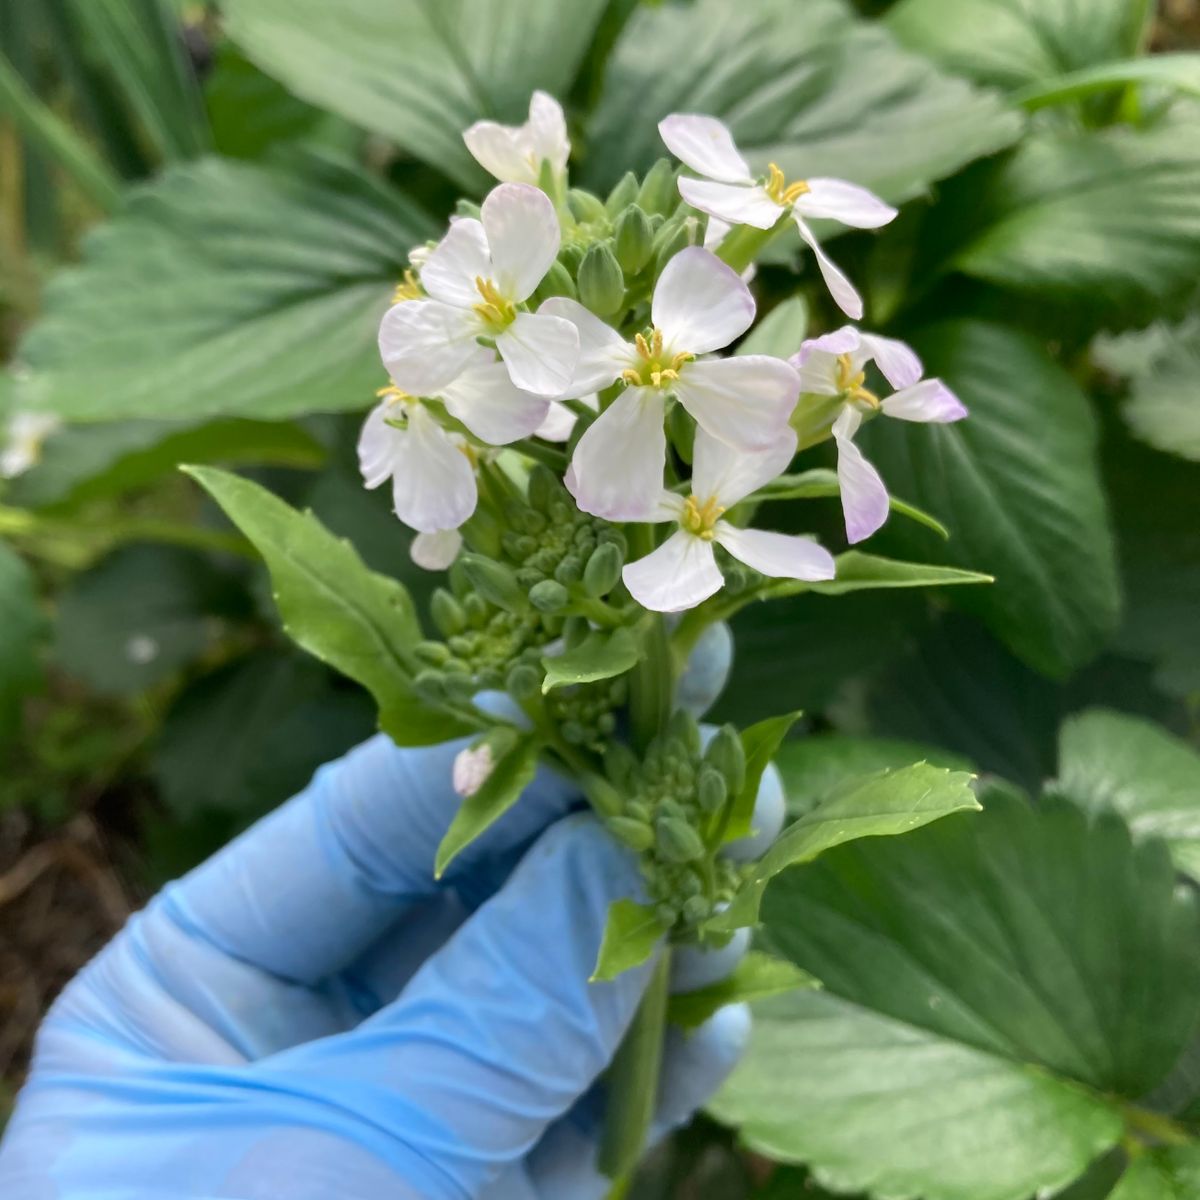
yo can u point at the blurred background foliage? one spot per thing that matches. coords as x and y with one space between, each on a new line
203 208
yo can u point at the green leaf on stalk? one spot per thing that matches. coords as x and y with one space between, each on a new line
630 936
760 743
515 761
881 805
603 654
857 571
756 977
360 623
780 332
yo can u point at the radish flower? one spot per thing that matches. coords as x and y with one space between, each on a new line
515 153
476 279
699 305
728 191
683 571
834 365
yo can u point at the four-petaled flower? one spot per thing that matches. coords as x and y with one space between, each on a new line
683 571
476 279
515 153
731 193
699 305
834 365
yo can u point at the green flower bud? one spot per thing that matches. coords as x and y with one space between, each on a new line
624 194
476 608
669 240
603 570
682 728
725 753
557 282
433 653
494 581
659 192
606 723
633 240
571 255
639 810
677 841
549 596
460 688
586 207
601 281
636 834
673 809
430 686
524 682
570 570
668 914
711 791
620 765
544 488
528 577
447 613
467 208
460 585
696 909
574 733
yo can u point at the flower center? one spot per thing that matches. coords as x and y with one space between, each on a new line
397 405
850 383
701 519
778 188
496 310
654 370
407 289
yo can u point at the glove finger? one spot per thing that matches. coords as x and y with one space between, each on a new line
498 1034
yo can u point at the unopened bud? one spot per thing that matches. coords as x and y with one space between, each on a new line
620 765
658 192
471 769
636 834
571 255
711 791
586 207
603 570
543 489
430 686
726 754
677 841
633 240
434 653
682 728
623 195
556 282
494 581
601 281
523 682
447 613
696 909
549 596
669 240
569 570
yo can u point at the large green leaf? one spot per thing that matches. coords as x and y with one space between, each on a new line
1110 760
1018 484
361 623
999 991
1178 71
226 288
418 71
21 628
1167 1173
818 92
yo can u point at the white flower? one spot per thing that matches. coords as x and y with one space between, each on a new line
25 435
683 571
515 153
729 192
471 769
476 278
435 551
699 305
560 420
833 365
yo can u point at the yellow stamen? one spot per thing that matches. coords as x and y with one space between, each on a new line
655 371
778 188
850 383
407 289
701 519
497 310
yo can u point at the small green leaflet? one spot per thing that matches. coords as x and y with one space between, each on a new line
858 572
632 932
601 655
888 803
760 742
756 977
516 758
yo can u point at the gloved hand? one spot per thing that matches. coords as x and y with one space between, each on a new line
308 1015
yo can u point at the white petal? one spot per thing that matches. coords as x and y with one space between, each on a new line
729 474
706 145
738 203
845 202
700 303
617 468
433 486
377 445
929 400
540 352
450 271
780 555
435 551
896 359
840 288
523 237
714 232
745 401
603 352
864 496
841 341
847 422
487 402
547 131
560 420
501 151
680 574
425 343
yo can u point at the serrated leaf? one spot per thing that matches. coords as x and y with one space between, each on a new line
515 758
882 805
857 571
360 623
630 936
759 743
756 977
603 654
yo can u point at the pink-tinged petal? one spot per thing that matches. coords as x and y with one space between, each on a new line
680 574
840 288
841 341
547 128
929 400
745 401
433 486
487 402
424 344
617 468
435 551
730 474
377 445
706 145
780 555
603 353
541 353
896 359
845 202
864 496
700 303
737 203
523 236
452 266
847 422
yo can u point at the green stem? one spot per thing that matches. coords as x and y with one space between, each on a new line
1155 1127
551 456
743 244
633 1082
